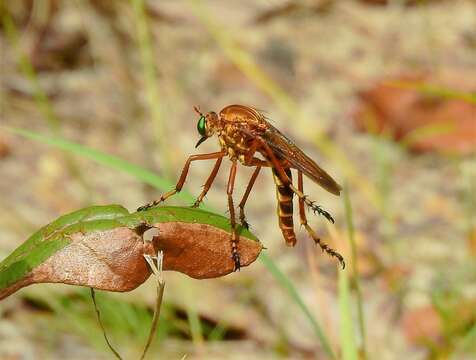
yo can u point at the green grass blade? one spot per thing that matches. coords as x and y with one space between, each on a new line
150 78
355 271
349 350
111 161
293 293
24 63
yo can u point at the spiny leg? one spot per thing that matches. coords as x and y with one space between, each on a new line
208 183
182 178
245 197
312 205
277 165
234 235
317 240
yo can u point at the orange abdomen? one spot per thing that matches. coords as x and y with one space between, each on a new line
285 208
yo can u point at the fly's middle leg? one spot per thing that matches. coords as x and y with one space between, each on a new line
243 221
234 234
208 183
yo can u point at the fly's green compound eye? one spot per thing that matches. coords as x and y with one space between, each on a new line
201 125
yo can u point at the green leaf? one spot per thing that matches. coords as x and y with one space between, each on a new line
355 271
50 239
56 235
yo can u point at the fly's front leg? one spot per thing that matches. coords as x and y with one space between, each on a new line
209 183
234 235
250 160
310 231
183 177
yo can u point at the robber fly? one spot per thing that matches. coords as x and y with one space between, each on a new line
242 133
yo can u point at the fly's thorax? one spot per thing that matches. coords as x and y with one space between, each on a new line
235 143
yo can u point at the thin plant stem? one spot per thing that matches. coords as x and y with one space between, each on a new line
150 78
41 99
98 314
355 271
288 285
157 271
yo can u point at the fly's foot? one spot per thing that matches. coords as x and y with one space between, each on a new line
245 224
148 206
331 252
196 204
162 198
243 221
236 260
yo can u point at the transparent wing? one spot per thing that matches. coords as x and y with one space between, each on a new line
287 150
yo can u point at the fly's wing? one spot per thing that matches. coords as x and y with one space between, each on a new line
287 150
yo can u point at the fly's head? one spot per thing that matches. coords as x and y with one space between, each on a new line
207 125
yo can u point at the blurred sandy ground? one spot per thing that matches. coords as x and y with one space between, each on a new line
414 245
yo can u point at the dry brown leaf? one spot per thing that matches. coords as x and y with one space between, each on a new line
402 110
113 259
422 324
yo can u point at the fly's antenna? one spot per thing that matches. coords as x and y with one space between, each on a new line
197 110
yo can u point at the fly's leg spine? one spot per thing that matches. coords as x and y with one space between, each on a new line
316 209
320 211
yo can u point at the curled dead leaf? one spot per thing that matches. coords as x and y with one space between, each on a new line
201 251
113 260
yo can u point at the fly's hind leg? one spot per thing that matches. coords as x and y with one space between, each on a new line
312 204
311 232
234 234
